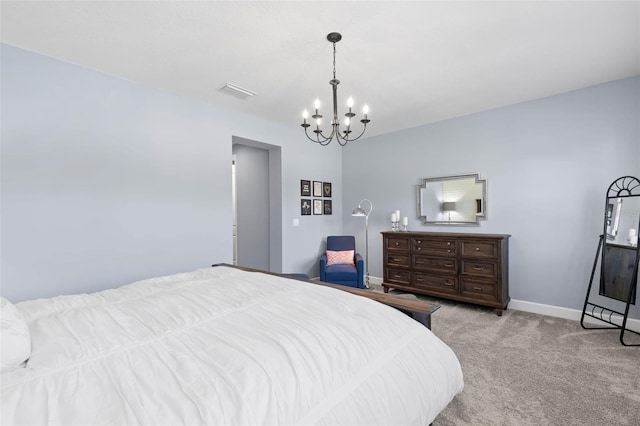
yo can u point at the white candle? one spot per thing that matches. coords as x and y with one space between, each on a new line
397 216
405 221
393 217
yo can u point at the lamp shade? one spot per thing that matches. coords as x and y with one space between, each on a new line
359 211
448 206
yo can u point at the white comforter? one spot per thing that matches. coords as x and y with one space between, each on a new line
228 347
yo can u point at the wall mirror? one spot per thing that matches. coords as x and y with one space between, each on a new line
452 200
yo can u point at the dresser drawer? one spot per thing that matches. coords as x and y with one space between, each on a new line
398 276
445 248
398 243
478 268
479 249
439 283
398 259
479 289
442 243
435 264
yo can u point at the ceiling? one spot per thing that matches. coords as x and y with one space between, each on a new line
412 62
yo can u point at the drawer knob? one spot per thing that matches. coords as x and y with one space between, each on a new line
477 248
478 268
419 241
420 280
478 288
448 284
449 251
397 276
397 243
419 248
448 243
448 265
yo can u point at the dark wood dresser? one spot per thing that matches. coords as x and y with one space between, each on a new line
471 268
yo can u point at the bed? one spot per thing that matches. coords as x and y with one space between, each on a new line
230 347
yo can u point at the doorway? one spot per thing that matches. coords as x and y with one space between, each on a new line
257 205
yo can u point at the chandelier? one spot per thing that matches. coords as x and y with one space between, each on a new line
341 134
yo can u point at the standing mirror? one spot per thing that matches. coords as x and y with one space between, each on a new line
452 200
618 254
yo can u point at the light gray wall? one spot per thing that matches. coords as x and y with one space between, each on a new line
547 163
105 181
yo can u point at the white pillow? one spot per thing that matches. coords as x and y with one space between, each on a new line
15 341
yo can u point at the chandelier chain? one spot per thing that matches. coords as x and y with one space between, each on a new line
334 61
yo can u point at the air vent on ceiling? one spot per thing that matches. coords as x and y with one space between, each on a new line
237 91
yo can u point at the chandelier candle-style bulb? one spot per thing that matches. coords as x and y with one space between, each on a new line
341 135
350 105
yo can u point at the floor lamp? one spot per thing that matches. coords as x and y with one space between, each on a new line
360 213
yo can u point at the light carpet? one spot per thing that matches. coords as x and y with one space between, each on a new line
529 369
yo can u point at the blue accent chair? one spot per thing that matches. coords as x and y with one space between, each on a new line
349 275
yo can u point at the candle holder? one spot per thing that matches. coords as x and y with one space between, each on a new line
395 226
405 224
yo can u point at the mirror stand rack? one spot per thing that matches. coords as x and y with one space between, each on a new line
618 262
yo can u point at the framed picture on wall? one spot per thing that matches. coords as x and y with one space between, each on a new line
305 188
317 206
326 189
305 207
317 188
327 206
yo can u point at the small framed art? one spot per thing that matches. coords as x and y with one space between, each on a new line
317 188
327 206
305 188
326 189
305 207
317 206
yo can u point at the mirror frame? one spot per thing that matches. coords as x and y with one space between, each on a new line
479 216
622 188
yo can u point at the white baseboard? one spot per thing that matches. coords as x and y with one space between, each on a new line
375 280
553 311
566 313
